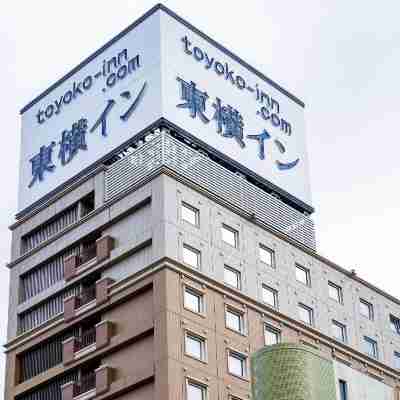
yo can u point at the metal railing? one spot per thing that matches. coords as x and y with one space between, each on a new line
86 295
87 254
87 338
85 384
49 309
49 229
163 150
50 390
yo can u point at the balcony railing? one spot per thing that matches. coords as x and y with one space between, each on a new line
86 295
85 384
162 150
87 338
87 254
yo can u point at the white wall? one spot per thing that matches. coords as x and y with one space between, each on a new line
361 386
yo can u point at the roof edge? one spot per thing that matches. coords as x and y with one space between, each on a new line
171 13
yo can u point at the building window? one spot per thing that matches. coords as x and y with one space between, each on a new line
335 292
366 309
270 296
195 346
232 277
191 256
271 335
267 256
234 320
339 331
303 275
193 301
229 235
195 391
397 360
237 364
190 214
395 324
343 390
371 347
306 314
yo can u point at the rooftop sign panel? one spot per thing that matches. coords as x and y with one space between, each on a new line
162 67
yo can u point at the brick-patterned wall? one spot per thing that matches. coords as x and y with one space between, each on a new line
292 372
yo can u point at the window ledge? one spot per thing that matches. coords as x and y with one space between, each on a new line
85 307
87 395
86 350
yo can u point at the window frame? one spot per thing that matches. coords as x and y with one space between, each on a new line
203 345
243 358
272 329
275 294
193 250
374 344
193 209
343 389
238 275
235 235
194 383
343 330
396 363
195 293
238 313
370 307
339 291
310 310
262 247
307 274
394 324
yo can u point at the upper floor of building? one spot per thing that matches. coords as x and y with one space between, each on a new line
138 203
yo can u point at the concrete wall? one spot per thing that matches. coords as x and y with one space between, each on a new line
361 386
215 253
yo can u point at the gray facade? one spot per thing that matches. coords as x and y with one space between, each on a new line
160 221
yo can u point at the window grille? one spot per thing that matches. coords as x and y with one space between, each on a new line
45 276
45 356
56 224
49 229
45 311
163 150
51 390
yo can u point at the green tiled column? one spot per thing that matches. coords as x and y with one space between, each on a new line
292 372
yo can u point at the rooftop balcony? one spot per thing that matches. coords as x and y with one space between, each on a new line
160 150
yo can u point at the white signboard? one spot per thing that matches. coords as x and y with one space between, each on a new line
237 112
95 110
162 68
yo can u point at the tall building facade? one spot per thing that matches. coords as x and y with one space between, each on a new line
164 247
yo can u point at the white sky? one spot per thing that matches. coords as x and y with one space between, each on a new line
341 57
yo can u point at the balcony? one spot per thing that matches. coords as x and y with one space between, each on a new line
92 252
89 385
86 384
90 296
89 340
87 295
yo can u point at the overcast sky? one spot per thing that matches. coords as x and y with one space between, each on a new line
341 57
